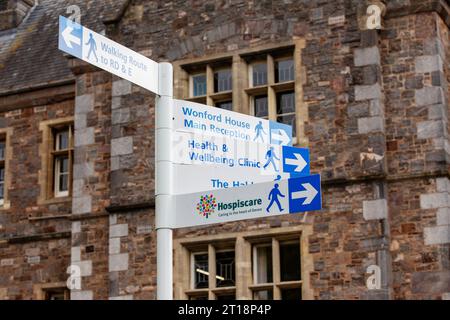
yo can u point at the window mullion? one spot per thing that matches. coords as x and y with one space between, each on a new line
276 268
271 94
209 85
238 75
212 271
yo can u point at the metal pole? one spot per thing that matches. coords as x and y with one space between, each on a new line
163 185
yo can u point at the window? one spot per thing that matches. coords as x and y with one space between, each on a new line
284 70
259 74
199 85
222 80
200 271
286 109
259 265
271 89
261 106
262 82
2 170
226 105
277 268
62 153
212 273
56 294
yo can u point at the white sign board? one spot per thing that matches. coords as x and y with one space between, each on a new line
108 55
203 119
255 201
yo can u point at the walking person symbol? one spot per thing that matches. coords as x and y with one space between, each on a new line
92 47
259 129
270 156
273 197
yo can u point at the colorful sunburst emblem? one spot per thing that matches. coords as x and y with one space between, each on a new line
207 205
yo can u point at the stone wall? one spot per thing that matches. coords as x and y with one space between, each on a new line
34 234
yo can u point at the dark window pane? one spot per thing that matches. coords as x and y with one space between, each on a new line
263 264
290 261
259 74
63 182
201 271
284 71
291 294
263 295
199 85
285 102
2 150
226 297
62 140
2 185
225 269
55 295
63 165
226 105
222 80
289 120
261 106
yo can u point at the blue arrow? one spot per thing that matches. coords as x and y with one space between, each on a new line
296 161
280 134
305 194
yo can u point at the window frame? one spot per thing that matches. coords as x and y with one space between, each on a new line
212 291
2 167
5 136
244 241
47 152
57 156
216 70
250 73
277 285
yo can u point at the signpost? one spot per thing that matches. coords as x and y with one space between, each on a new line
256 201
250 161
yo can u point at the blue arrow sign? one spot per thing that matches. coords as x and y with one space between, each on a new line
296 161
305 194
280 134
71 37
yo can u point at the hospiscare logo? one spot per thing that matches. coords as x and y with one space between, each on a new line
208 204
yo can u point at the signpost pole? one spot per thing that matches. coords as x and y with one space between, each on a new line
164 212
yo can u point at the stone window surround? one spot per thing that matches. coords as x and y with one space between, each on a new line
5 134
39 290
242 243
240 62
46 172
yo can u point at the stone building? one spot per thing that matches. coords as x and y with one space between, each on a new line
77 149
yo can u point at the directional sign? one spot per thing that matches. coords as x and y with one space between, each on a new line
108 55
201 178
204 162
256 201
203 119
201 149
